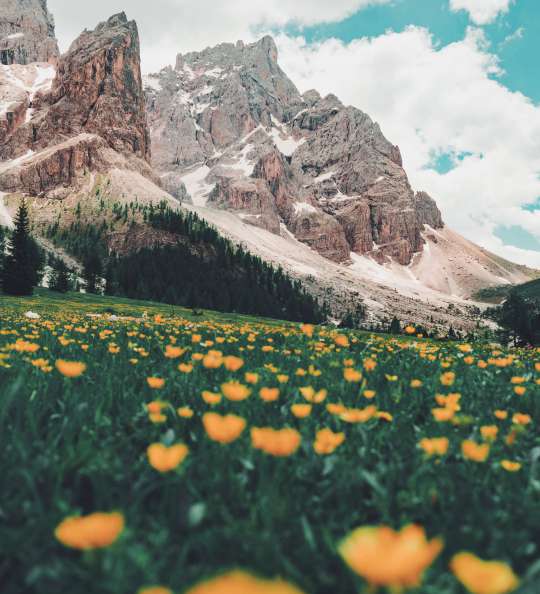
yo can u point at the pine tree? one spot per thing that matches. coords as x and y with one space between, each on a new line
395 326
92 269
59 278
20 264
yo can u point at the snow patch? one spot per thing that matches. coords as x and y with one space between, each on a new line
5 217
324 176
15 36
196 185
304 207
151 81
214 72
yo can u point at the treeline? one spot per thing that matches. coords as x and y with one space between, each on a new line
201 269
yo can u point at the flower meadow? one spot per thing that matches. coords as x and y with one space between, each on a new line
170 453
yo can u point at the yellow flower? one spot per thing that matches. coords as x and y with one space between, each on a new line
448 378
384 557
369 394
435 446
211 397
465 348
510 466
335 409
240 582
352 375
269 394
416 383
277 442
224 429
489 432
235 391
301 410
185 412
165 458
233 363
282 378
309 393
483 577
474 451
94 531
70 368
385 416
326 441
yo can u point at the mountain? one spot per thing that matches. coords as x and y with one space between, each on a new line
301 181
26 32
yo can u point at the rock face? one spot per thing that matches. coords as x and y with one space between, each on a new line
88 116
227 118
26 32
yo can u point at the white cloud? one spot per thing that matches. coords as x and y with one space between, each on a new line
171 26
434 100
482 12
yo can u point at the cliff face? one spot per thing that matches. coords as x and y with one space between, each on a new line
88 115
230 113
26 32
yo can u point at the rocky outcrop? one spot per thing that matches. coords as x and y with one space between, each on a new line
26 32
336 182
90 117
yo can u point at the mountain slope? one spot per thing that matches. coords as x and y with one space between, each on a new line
231 132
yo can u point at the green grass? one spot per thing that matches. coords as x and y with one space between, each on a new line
75 446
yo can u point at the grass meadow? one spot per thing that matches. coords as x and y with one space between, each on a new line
148 449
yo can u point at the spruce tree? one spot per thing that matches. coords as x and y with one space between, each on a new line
20 267
92 269
59 278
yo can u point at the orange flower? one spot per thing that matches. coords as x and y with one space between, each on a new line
277 442
326 441
385 557
510 466
156 383
224 429
70 368
521 419
410 329
282 378
435 446
483 577
173 352
307 329
369 394
451 401
233 363
474 451
416 383
448 378
235 391
155 407
94 531
251 378
358 415
185 367
212 360
335 409
309 393
269 394
211 397
165 458
520 390
442 414
155 590
517 380
341 340
185 412
352 375
301 410
370 364
489 432
501 414
240 582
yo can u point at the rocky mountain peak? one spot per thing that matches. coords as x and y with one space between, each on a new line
26 32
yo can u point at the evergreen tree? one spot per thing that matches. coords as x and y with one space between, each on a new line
395 326
59 278
21 265
92 269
